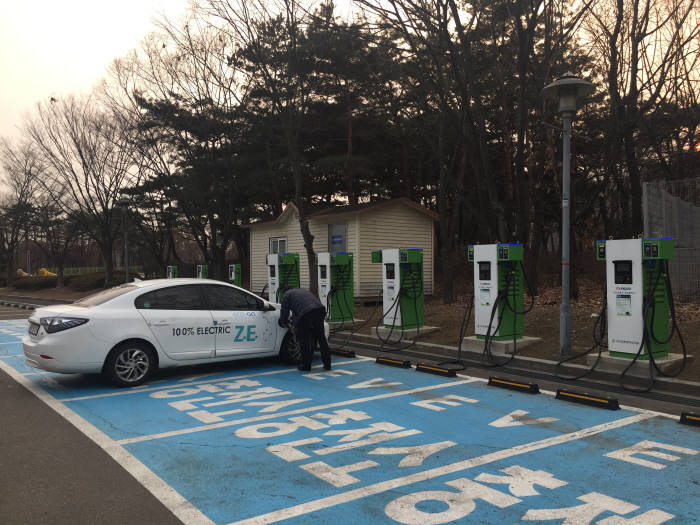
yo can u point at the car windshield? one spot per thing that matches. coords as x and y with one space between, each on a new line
102 297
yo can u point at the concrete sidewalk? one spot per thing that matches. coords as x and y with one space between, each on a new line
51 473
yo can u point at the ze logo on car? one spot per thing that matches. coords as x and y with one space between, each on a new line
249 333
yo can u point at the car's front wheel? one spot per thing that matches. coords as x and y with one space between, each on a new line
130 363
291 349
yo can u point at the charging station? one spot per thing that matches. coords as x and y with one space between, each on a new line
498 290
637 295
336 285
172 272
282 274
402 287
202 271
234 274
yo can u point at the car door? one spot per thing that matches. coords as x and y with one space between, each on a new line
180 321
243 324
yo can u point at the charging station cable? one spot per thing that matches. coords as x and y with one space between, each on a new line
283 287
599 328
395 306
649 304
510 292
465 321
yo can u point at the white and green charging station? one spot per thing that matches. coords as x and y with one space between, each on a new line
402 287
282 274
336 285
234 274
498 283
172 272
202 271
637 295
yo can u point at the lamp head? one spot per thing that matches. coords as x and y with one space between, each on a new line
124 202
568 90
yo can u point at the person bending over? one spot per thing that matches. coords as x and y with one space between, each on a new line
308 315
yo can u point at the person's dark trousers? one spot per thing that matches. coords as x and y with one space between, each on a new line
310 333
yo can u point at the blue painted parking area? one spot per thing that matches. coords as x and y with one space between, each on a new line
258 442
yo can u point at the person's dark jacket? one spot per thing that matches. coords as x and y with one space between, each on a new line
299 302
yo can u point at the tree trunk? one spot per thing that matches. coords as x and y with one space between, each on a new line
10 267
59 275
109 266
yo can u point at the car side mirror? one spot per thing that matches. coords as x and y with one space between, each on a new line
270 307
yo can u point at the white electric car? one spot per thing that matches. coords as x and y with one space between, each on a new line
129 331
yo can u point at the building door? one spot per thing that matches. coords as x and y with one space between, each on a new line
337 237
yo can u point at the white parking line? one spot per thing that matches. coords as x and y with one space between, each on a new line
383 486
177 504
139 390
277 415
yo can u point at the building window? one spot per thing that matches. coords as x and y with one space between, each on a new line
278 245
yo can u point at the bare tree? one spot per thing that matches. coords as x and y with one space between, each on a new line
56 233
22 168
644 49
88 164
184 96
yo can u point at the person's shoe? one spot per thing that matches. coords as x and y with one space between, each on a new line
304 368
326 366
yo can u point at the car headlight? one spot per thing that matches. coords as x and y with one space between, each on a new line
57 324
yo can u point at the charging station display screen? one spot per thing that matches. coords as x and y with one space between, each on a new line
323 268
390 271
485 271
623 272
272 271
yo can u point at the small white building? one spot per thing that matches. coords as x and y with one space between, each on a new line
360 229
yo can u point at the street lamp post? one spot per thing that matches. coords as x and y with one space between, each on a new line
566 90
124 204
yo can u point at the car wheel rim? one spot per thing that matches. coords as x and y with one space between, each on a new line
294 349
132 365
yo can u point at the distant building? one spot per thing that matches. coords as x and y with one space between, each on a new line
360 229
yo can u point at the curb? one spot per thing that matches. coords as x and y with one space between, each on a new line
521 365
24 306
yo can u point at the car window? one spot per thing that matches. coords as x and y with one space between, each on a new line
102 297
227 298
183 297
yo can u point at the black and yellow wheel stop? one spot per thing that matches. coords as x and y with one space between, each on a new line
432 369
393 362
528 388
690 418
344 353
585 398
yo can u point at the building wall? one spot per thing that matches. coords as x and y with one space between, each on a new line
392 226
289 228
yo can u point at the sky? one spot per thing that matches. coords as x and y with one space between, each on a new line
50 48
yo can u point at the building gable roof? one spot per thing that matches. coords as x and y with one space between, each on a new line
351 210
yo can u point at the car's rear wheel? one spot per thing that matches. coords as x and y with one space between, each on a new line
130 363
291 349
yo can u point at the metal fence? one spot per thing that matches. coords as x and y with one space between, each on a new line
672 209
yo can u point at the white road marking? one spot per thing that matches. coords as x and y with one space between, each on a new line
139 390
175 502
383 486
289 413
646 448
518 417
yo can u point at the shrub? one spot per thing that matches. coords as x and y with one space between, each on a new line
86 282
34 283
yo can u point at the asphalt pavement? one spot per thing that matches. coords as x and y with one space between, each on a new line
50 472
